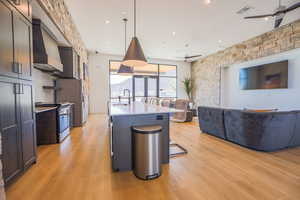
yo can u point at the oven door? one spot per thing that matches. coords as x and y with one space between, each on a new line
64 119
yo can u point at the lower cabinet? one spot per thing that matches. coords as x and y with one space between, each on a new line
17 127
27 125
10 131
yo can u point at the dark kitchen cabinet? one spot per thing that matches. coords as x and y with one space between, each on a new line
71 90
15 44
17 127
27 125
46 127
22 43
17 119
71 61
10 130
23 6
6 42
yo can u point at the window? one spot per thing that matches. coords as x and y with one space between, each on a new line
152 80
168 81
168 70
118 83
167 87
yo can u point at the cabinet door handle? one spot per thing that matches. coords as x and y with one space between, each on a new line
22 89
17 88
20 68
15 67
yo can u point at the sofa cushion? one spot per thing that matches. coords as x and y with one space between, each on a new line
211 121
260 131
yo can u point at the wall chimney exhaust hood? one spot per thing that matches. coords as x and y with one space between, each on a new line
45 49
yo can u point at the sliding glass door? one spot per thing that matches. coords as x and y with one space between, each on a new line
144 87
152 80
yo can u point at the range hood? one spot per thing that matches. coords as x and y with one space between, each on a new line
45 49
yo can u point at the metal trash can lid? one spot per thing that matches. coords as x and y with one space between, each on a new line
147 129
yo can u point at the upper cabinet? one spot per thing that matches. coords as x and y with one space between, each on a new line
23 6
22 42
7 64
15 44
71 62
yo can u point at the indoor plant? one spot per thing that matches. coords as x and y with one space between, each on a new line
188 87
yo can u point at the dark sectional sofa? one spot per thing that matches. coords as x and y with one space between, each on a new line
263 131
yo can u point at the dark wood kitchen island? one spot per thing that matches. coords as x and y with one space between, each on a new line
123 118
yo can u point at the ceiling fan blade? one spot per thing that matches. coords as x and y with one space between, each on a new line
259 16
187 57
278 22
293 7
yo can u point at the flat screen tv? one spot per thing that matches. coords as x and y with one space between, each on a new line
266 76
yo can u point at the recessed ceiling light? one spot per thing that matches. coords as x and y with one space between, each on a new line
220 41
173 33
266 18
107 21
207 1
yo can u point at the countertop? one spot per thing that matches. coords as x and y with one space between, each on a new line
44 109
138 108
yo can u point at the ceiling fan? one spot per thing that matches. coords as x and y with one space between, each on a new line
187 58
279 13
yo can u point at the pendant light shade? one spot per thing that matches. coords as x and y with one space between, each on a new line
125 70
135 55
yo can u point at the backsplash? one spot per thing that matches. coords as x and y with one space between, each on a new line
41 79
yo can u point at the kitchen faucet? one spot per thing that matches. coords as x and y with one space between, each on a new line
124 92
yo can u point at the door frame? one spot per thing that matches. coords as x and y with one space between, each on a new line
158 77
145 77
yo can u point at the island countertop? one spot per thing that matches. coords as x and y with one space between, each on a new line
138 108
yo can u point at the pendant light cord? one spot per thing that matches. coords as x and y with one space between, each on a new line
134 18
125 22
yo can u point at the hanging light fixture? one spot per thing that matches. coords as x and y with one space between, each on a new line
135 56
123 69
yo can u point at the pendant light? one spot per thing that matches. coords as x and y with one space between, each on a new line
135 56
123 69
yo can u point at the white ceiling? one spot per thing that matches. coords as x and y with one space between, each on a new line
206 28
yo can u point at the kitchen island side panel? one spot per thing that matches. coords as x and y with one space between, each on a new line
122 138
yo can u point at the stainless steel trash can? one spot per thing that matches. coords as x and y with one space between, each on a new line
147 151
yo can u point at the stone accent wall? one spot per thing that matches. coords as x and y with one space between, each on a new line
58 11
206 71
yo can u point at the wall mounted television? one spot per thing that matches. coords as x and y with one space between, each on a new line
266 76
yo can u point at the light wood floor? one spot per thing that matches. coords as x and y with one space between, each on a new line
79 169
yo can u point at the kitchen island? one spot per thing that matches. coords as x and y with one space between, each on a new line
123 117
